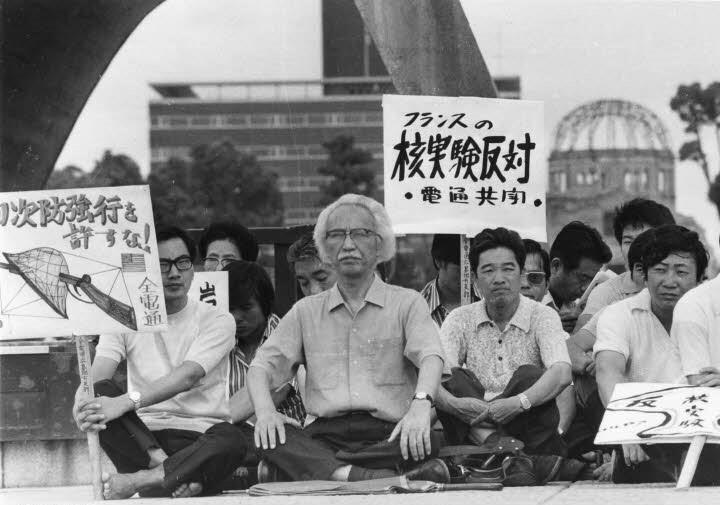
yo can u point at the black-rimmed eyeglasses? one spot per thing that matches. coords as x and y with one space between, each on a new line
182 263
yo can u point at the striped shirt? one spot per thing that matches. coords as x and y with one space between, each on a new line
292 405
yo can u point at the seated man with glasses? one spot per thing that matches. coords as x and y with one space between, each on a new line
223 242
536 274
373 361
169 434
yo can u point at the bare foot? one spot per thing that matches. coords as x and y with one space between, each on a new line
118 486
187 490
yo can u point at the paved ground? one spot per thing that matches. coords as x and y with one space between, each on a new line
582 493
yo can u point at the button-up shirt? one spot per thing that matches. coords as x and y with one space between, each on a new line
438 311
533 336
630 328
612 290
364 361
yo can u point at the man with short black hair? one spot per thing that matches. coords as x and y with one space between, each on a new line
442 294
313 275
576 255
631 219
513 350
634 345
169 433
224 242
536 274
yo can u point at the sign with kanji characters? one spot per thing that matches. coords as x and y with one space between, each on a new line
458 165
642 413
211 288
79 261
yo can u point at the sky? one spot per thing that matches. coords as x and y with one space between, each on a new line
566 54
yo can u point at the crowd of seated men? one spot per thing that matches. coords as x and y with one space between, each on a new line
363 380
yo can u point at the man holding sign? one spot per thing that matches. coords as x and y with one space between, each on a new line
168 433
633 341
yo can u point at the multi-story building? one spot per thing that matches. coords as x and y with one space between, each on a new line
284 123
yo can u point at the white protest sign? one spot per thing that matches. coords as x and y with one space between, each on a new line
79 261
660 413
212 288
458 165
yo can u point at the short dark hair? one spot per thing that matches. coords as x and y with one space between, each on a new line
639 211
303 248
236 233
671 238
493 238
576 241
445 247
169 232
638 247
533 247
248 280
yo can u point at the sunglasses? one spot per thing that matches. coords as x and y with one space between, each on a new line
535 278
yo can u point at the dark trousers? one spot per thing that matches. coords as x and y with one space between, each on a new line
327 444
207 458
665 464
537 427
581 433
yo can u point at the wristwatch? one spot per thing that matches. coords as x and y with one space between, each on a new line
524 401
422 395
135 397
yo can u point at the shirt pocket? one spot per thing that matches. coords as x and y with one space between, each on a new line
387 362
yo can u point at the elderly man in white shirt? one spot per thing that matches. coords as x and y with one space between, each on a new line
633 340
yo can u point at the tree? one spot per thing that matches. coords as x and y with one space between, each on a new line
115 170
217 183
349 168
67 178
699 109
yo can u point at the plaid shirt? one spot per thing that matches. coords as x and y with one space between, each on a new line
438 311
292 406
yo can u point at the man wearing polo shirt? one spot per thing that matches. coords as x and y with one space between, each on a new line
514 352
373 363
633 341
169 433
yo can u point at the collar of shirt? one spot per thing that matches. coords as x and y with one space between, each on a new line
520 319
374 295
641 301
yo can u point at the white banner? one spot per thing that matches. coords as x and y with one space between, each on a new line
458 165
211 288
641 413
79 261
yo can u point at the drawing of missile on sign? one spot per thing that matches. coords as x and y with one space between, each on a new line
79 262
45 271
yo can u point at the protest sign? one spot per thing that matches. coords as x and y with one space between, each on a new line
79 261
642 413
211 288
458 165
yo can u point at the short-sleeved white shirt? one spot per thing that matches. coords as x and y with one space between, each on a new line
612 290
198 333
696 327
630 328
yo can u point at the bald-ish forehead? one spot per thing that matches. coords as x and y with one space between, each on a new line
351 216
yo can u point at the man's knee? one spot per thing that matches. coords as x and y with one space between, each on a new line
464 384
107 387
226 437
526 375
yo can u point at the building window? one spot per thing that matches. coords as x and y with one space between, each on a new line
661 181
563 182
629 180
579 179
643 180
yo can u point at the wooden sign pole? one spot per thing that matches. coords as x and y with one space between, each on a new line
465 271
86 387
691 461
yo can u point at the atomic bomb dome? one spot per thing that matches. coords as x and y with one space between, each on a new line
606 152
